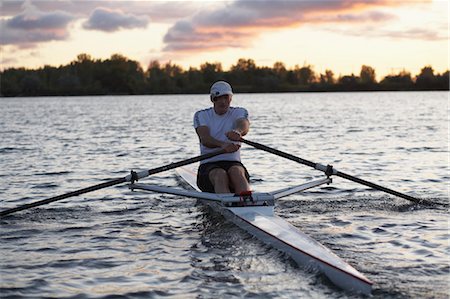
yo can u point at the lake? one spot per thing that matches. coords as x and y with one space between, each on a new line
114 243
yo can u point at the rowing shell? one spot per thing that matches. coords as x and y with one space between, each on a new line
257 218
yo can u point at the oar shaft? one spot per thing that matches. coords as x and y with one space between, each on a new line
178 164
63 196
279 153
335 172
378 187
112 182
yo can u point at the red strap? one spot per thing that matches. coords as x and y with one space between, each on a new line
246 193
243 196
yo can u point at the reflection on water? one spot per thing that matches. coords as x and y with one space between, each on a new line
118 242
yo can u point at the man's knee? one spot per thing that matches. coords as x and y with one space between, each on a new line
217 174
236 170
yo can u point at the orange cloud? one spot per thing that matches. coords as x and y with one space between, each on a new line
239 23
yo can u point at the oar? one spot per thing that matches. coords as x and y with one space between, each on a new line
131 177
329 170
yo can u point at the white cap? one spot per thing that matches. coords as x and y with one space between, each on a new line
220 88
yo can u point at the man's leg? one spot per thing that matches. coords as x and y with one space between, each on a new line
219 179
238 180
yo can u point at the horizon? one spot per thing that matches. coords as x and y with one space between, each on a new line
337 35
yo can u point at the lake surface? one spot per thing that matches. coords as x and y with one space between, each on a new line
115 243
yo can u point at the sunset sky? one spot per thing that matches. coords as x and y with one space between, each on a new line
340 35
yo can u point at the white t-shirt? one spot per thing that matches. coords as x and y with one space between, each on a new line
219 125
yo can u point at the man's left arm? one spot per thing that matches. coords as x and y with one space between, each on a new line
241 128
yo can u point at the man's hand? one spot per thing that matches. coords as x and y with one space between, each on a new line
231 147
234 135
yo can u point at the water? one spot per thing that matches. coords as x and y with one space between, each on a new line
114 242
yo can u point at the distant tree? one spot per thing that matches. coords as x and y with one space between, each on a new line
172 70
243 72
211 72
326 81
120 75
195 81
164 79
348 83
153 75
86 69
327 78
426 79
31 84
69 84
402 81
443 81
280 70
10 82
305 75
81 58
244 65
291 78
367 76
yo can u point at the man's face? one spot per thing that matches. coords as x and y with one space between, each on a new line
221 104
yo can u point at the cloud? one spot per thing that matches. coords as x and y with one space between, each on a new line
366 17
157 11
239 23
25 23
112 20
33 25
184 37
25 38
412 33
40 21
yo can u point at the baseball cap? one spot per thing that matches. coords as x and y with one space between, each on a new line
220 88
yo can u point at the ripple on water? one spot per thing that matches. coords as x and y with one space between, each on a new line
117 243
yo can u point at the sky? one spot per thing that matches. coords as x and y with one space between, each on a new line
338 35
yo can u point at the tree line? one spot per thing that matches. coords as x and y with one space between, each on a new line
119 75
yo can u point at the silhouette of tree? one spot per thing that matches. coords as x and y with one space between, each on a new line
305 75
120 75
348 83
279 70
367 77
402 81
326 81
426 79
443 81
242 72
211 72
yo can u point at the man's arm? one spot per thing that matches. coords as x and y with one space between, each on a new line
207 140
241 128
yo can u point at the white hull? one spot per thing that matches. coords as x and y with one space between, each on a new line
261 222
271 229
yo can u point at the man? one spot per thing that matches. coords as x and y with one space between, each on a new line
222 126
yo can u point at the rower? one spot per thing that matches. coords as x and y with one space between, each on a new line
222 126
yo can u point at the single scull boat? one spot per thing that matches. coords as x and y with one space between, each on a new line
255 214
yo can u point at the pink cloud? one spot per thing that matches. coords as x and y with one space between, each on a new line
239 23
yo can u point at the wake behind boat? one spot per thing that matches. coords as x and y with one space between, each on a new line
255 214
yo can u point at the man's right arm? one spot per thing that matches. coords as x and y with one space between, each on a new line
207 140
